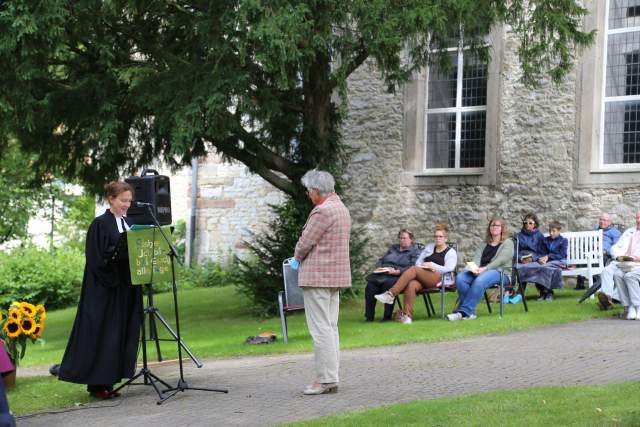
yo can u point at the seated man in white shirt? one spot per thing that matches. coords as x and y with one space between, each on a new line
626 275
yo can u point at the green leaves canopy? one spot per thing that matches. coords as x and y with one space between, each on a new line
101 88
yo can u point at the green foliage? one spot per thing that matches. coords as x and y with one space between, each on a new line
31 274
77 213
252 80
19 197
180 237
261 275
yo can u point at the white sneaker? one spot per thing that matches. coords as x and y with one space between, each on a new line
470 317
632 314
637 312
454 316
385 298
407 320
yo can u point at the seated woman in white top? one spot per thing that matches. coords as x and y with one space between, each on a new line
435 260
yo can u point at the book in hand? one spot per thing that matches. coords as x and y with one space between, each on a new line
625 258
525 259
427 266
472 265
382 270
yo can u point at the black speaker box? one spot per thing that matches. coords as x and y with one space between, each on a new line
153 189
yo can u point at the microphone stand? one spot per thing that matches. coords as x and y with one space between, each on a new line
182 384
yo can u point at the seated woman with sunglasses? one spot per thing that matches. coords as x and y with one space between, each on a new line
483 273
434 261
529 248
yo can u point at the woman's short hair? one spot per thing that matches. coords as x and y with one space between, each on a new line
532 217
405 231
443 226
115 188
504 234
318 180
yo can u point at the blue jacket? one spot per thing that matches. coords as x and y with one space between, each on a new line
556 249
530 242
610 236
398 258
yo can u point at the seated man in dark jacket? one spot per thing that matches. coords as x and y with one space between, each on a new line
392 264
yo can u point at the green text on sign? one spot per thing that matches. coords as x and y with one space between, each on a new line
149 261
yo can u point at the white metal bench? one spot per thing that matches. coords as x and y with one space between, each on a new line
584 256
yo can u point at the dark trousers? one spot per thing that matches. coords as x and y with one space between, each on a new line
373 289
6 419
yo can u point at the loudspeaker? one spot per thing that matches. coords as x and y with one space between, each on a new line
154 189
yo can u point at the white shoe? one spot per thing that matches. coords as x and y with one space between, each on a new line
454 316
632 314
470 317
637 312
406 319
385 298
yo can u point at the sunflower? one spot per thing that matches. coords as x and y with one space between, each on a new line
15 305
15 315
28 325
12 328
40 308
43 316
37 331
28 309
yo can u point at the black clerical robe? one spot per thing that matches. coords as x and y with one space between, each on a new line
102 347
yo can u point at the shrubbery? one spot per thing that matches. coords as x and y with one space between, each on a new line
34 275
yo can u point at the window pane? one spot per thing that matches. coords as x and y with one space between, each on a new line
622 132
624 13
442 85
472 139
441 140
474 82
623 64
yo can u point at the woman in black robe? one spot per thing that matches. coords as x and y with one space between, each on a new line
102 347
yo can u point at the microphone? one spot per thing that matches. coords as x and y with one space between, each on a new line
142 204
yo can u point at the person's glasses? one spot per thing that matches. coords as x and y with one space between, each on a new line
438 237
496 225
529 223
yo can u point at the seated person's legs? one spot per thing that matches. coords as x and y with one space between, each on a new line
373 289
632 293
475 293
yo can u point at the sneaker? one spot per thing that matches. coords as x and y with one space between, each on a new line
549 297
604 302
516 300
541 298
385 298
454 316
469 317
633 313
406 319
505 299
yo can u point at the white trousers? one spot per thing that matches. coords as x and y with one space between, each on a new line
606 281
628 285
321 307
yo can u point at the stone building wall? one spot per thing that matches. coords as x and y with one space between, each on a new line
232 203
536 157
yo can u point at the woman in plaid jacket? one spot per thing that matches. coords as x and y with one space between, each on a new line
323 253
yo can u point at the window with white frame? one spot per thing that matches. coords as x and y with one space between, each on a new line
620 116
455 114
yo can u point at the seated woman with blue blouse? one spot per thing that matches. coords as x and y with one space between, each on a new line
495 255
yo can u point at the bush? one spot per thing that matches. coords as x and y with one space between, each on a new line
34 275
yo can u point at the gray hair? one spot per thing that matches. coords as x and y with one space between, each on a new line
318 180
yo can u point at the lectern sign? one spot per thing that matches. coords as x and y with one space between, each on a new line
149 261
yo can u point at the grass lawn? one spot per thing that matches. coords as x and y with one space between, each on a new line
601 405
215 322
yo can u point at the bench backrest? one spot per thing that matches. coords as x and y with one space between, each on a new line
585 247
293 292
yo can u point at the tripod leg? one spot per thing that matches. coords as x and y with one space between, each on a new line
153 330
157 313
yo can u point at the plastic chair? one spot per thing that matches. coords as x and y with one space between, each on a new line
291 298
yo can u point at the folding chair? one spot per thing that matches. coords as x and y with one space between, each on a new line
500 286
291 298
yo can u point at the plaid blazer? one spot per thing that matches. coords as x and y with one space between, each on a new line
323 247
